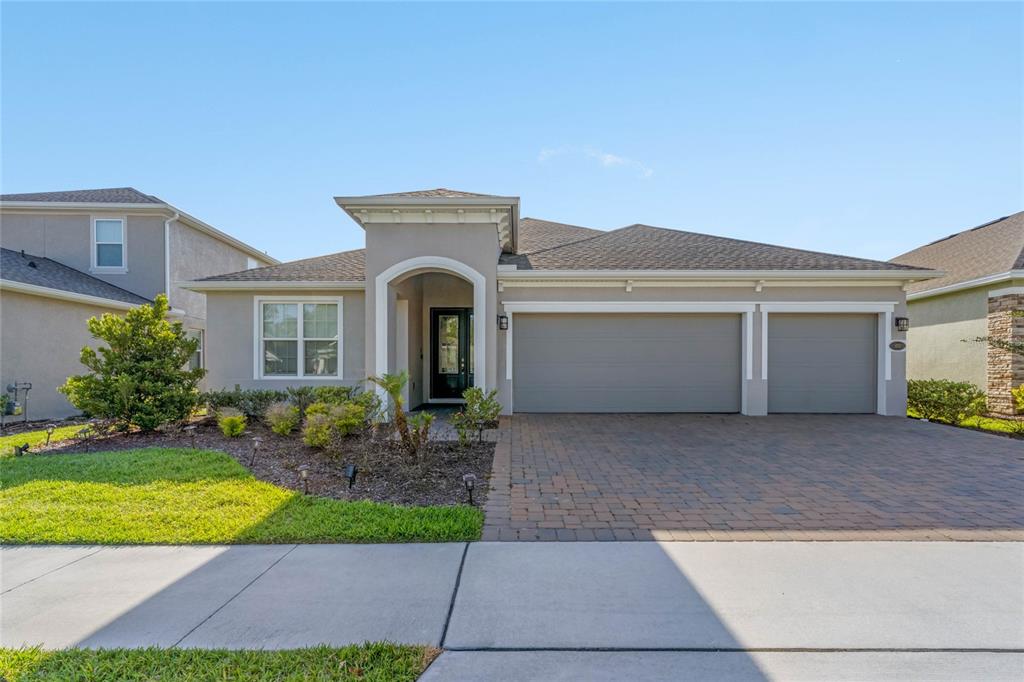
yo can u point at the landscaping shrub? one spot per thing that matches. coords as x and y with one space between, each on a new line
301 397
334 395
282 418
253 403
324 422
946 401
140 377
231 422
1018 397
479 412
412 434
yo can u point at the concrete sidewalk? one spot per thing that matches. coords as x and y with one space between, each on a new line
957 607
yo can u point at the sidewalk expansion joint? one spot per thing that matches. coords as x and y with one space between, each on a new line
455 592
54 570
235 595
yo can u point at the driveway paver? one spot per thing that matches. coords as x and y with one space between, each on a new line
699 666
729 477
754 595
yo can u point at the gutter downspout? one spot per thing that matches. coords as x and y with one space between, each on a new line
167 255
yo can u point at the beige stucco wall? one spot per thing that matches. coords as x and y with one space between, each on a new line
938 327
475 245
757 388
40 342
67 239
230 340
195 255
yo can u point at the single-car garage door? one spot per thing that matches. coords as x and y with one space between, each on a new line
822 363
585 362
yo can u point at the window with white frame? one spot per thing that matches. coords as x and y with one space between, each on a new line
196 361
108 243
299 338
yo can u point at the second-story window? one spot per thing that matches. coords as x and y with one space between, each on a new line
108 243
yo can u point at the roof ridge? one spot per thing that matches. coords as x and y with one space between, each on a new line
972 229
573 243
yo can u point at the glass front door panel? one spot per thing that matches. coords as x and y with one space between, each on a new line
448 344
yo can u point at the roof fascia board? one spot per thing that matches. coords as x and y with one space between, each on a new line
426 201
262 285
967 284
162 209
900 275
61 294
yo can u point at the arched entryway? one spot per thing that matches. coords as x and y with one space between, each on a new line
386 344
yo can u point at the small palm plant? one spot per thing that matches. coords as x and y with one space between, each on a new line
412 436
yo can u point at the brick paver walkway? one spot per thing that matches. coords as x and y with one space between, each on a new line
729 477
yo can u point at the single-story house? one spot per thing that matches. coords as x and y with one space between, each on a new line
983 283
458 290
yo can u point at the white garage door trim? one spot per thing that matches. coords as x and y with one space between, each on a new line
884 310
746 311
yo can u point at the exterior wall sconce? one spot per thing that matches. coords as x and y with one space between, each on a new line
902 324
503 322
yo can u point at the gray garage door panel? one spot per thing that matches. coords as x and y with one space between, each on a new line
822 363
626 363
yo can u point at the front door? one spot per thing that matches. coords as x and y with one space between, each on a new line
451 334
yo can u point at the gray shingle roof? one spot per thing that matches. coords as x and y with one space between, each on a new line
346 266
537 235
990 249
112 195
439 193
642 247
44 272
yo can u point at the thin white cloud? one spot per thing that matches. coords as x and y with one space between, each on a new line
603 158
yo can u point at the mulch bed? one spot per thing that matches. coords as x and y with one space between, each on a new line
384 474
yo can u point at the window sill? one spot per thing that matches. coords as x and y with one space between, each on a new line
100 270
278 377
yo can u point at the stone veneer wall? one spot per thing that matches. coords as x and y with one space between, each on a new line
1005 369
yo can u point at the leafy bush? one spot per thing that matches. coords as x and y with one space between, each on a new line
324 422
301 397
943 400
253 403
1018 397
231 422
283 418
334 395
140 377
479 412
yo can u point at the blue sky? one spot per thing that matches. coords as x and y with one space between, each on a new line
864 128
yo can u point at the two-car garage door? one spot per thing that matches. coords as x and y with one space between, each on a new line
688 362
626 363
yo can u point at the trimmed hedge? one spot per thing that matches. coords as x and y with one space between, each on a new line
942 400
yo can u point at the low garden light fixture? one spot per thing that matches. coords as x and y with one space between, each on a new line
304 476
902 324
191 431
49 432
256 442
470 481
503 322
350 474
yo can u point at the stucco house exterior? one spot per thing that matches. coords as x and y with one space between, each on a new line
457 289
982 284
69 256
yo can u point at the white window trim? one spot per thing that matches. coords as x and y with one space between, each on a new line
108 269
201 335
257 334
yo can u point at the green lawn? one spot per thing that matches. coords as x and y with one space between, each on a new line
184 496
35 438
986 424
379 662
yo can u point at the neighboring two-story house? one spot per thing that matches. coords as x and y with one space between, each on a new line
457 290
978 295
69 256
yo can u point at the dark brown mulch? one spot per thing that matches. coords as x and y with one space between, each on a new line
384 475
